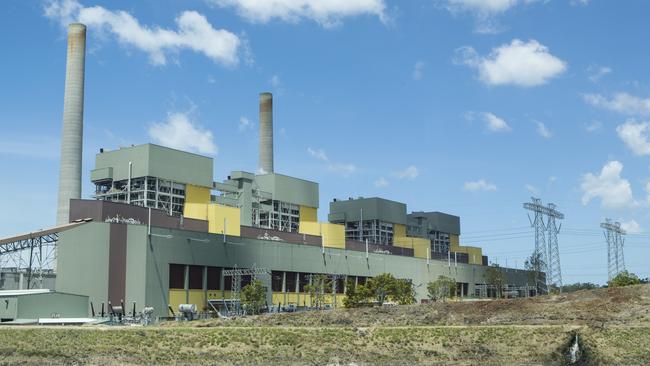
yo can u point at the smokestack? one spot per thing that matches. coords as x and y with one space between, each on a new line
266 133
71 136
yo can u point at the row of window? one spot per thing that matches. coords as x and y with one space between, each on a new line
296 281
195 275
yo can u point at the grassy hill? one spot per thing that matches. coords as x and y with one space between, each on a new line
613 327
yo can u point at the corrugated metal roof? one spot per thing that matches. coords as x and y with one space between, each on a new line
5 293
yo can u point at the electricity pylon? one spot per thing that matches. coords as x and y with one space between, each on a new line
546 243
614 237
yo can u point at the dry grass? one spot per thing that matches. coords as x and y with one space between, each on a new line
613 326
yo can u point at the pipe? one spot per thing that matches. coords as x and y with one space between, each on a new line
72 132
266 133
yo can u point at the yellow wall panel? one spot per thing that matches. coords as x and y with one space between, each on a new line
176 297
454 241
197 297
333 235
309 228
399 231
308 214
421 247
220 214
196 201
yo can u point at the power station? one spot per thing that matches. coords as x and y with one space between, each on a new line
160 231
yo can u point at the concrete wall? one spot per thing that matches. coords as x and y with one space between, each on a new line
83 262
155 161
373 209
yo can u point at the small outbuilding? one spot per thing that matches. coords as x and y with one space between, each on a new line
31 305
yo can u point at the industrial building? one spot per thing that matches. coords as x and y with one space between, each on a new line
161 231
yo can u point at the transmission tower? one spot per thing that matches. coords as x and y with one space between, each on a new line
614 237
554 275
546 243
537 223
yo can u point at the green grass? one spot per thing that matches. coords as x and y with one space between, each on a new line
283 345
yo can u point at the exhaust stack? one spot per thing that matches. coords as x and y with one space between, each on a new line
71 136
266 133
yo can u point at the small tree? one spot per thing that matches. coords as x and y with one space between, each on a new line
253 297
356 296
382 286
319 285
624 278
495 277
441 289
536 265
403 292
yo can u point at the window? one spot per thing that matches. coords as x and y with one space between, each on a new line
177 276
340 285
276 281
291 282
196 278
214 278
304 281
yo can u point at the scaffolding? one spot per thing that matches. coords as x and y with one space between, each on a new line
150 192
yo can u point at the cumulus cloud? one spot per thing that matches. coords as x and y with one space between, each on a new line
418 70
480 185
524 64
411 172
635 136
179 132
326 13
381 183
631 227
543 131
621 102
194 32
614 191
485 12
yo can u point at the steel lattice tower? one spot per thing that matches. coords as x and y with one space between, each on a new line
546 243
554 275
614 237
540 242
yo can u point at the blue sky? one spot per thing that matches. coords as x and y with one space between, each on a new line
462 106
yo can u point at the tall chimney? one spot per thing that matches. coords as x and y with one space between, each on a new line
71 136
266 133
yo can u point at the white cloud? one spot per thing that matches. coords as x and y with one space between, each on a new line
621 102
597 72
179 132
524 64
479 185
340 168
635 136
410 173
631 227
326 13
593 126
543 131
580 2
495 124
532 189
381 183
418 70
194 32
244 124
614 192
318 154
484 11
